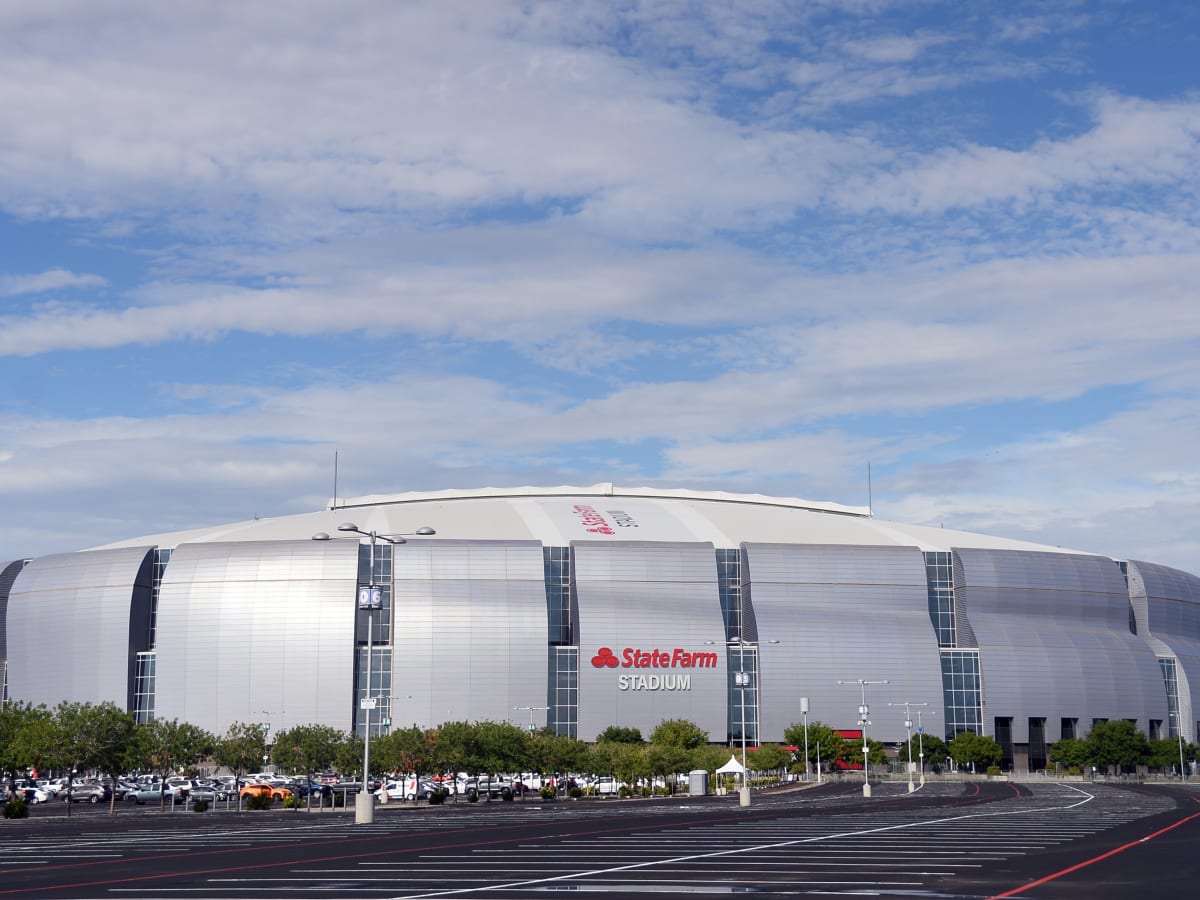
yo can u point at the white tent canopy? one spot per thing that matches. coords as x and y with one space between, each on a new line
732 766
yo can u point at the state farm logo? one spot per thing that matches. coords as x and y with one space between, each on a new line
605 657
594 521
637 658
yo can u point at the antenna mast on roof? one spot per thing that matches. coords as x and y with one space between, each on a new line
335 462
869 498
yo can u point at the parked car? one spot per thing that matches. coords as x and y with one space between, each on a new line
156 792
34 794
262 789
209 792
88 793
412 789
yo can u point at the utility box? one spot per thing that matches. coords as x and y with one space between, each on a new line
698 783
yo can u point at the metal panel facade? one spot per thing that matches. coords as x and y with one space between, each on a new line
76 622
8 575
469 632
1054 640
827 613
258 632
660 599
1172 601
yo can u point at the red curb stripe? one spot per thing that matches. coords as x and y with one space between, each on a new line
1094 859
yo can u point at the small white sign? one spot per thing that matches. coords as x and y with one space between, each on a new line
366 703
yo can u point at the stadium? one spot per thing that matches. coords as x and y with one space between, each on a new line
577 608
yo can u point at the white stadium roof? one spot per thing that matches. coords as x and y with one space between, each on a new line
555 516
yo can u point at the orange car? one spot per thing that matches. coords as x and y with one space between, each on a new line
264 790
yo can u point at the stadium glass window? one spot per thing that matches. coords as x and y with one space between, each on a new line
1068 729
729 591
1038 752
556 562
1003 732
939 577
143 688
563 700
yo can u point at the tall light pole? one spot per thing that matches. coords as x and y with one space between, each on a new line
804 712
742 680
908 733
370 598
531 710
921 739
863 712
1179 732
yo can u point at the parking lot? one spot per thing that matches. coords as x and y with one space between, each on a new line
946 840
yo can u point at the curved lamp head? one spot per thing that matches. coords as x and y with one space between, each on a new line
321 536
425 531
348 526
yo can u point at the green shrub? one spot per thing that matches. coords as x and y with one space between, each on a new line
993 771
574 792
437 797
293 801
260 802
16 808
547 792
473 797
624 791
199 806
339 799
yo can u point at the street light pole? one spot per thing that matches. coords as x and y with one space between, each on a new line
863 711
804 712
742 680
921 740
532 710
370 598
908 733
1179 733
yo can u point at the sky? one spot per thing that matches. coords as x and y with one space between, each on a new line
754 246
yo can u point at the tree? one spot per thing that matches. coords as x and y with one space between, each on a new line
681 733
630 762
505 746
619 734
1117 744
308 749
1069 752
970 750
1164 754
166 746
556 753
243 746
457 748
710 758
822 740
769 758
89 736
668 760
19 723
933 746
875 752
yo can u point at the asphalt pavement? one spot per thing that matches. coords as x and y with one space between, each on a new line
1040 841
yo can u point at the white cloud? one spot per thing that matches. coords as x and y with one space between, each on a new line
760 241
1133 142
43 282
